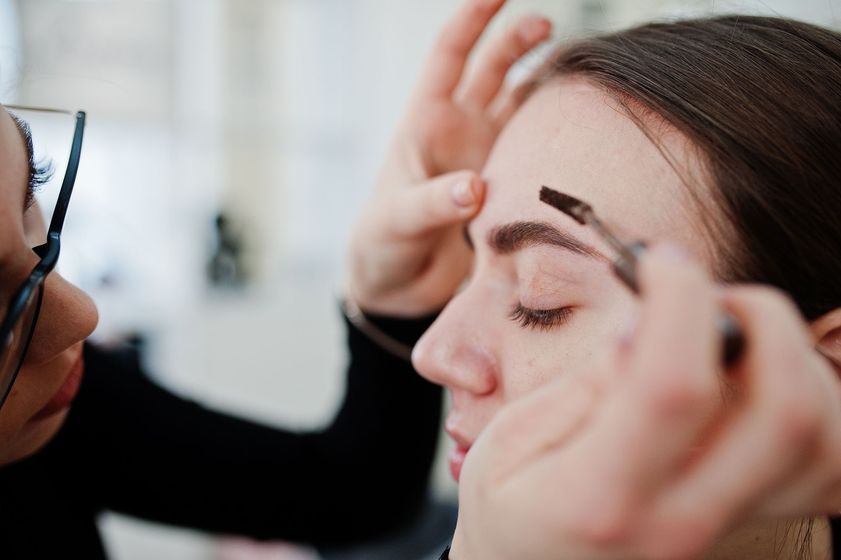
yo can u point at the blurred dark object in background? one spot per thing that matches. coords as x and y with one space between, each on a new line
225 269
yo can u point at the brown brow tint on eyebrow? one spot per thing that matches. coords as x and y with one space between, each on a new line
512 237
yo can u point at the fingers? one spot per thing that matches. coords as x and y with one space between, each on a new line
439 202
779 427
778 344
675 354
445 64
537 423
672 388
489 74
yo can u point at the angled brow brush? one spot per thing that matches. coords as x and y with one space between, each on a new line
625 265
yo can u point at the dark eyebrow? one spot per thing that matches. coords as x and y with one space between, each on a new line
515 236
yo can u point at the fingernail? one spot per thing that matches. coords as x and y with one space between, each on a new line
463 194
672 252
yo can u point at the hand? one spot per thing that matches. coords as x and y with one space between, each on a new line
657 453
407 252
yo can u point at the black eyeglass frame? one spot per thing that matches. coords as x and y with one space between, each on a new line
48 251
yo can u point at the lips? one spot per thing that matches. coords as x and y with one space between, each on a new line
456 461
459 453
65 394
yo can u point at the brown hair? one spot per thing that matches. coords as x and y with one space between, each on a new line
760 99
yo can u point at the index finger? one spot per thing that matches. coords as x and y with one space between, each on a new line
540 422
672 392
766 454
445 65
676 343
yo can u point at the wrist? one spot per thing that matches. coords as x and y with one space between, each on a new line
367 326
396 335
398 301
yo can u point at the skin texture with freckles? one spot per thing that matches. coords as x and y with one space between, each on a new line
571 136
67 317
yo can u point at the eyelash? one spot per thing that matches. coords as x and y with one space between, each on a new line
540 319
40 172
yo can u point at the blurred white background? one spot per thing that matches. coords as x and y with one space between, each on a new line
275 113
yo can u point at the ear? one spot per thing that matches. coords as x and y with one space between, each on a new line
826 332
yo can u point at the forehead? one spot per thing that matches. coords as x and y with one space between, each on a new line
575 138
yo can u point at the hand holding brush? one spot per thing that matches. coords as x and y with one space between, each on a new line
625 264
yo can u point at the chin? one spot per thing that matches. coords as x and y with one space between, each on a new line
32 438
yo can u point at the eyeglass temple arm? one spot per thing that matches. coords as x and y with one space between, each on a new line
57 222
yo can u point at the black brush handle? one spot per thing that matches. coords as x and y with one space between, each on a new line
734 338
625 267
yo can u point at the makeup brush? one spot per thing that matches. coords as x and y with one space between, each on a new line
625 265
581 212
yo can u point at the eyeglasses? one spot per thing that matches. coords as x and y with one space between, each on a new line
18 324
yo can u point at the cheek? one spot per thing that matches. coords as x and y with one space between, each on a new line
33 388
34 226
533 358
20 437
536 358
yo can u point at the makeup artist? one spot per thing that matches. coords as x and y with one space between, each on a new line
83 430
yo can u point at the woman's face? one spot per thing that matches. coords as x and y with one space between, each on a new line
541 301
37 404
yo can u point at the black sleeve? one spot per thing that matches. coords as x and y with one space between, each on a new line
148 453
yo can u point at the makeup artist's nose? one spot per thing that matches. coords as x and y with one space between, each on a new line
455 351
68 315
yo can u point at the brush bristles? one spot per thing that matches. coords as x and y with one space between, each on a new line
571 206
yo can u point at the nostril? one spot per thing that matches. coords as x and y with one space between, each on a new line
477 376
456 365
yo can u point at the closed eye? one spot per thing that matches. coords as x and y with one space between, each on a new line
540 319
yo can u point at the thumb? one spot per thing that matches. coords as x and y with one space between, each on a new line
539 423
442 201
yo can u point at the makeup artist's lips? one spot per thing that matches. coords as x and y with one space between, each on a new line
66 393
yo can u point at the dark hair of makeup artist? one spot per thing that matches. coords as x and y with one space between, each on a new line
760 100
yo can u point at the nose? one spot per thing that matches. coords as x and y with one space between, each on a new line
68 315
456 351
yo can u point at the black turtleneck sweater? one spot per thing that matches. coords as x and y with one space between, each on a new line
132 447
